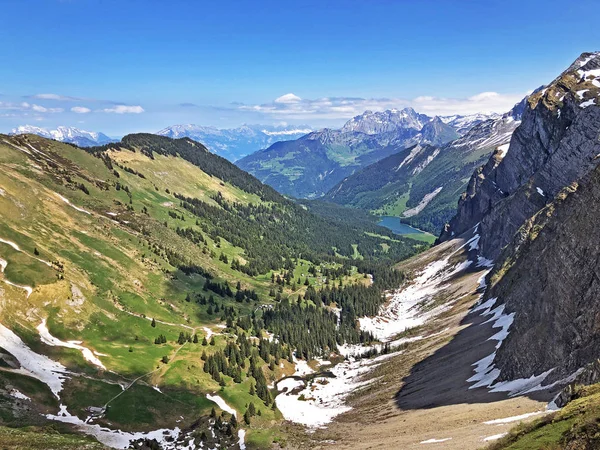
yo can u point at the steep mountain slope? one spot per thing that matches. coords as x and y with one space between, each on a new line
422 183
548 279
137 278
554 146
462 124
486 344
236 143
312 165
536 209
70 135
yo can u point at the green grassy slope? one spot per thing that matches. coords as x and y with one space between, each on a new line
576 426
107 243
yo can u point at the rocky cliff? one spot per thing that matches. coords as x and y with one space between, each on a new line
555 145
536 206
549 277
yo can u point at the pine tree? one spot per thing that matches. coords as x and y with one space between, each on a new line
212 341
247 418
195 338
204 341
153 324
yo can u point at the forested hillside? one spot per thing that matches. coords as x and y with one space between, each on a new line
422 184
169 265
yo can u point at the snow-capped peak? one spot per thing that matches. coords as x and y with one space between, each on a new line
235 143
72 135
386 121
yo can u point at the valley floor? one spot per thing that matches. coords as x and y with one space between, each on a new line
419 397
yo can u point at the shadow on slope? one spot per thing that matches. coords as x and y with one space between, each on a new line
440 379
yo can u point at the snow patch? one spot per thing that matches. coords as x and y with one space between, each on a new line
289 383
494 437
242 439
66 200
588 103
302 368
32 364
324 396
116 438
514 418
221 404
503 149
52 341
435 441
10 243
19 395
27 289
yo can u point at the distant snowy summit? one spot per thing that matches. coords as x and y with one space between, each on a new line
71 135
392 120
234 143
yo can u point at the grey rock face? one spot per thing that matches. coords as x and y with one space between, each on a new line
549 276
555 145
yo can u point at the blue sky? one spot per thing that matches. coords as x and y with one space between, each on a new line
125 66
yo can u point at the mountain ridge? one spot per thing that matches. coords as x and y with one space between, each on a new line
235 143
313 164
71 135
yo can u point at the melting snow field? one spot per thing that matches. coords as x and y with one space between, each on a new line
323 397
404 309
116 438
48 339
317 402
53 374
221 404
33 364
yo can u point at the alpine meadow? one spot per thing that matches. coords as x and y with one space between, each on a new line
340 225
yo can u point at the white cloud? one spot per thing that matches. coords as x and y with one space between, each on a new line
54 97
292 106
43 109
124 109
80 109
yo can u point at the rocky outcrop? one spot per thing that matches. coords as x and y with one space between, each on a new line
590 374
555 145
549 276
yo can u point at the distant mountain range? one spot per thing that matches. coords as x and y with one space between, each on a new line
313 164
236 143
422 183
70 135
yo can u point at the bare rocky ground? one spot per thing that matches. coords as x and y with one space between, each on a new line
422 394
